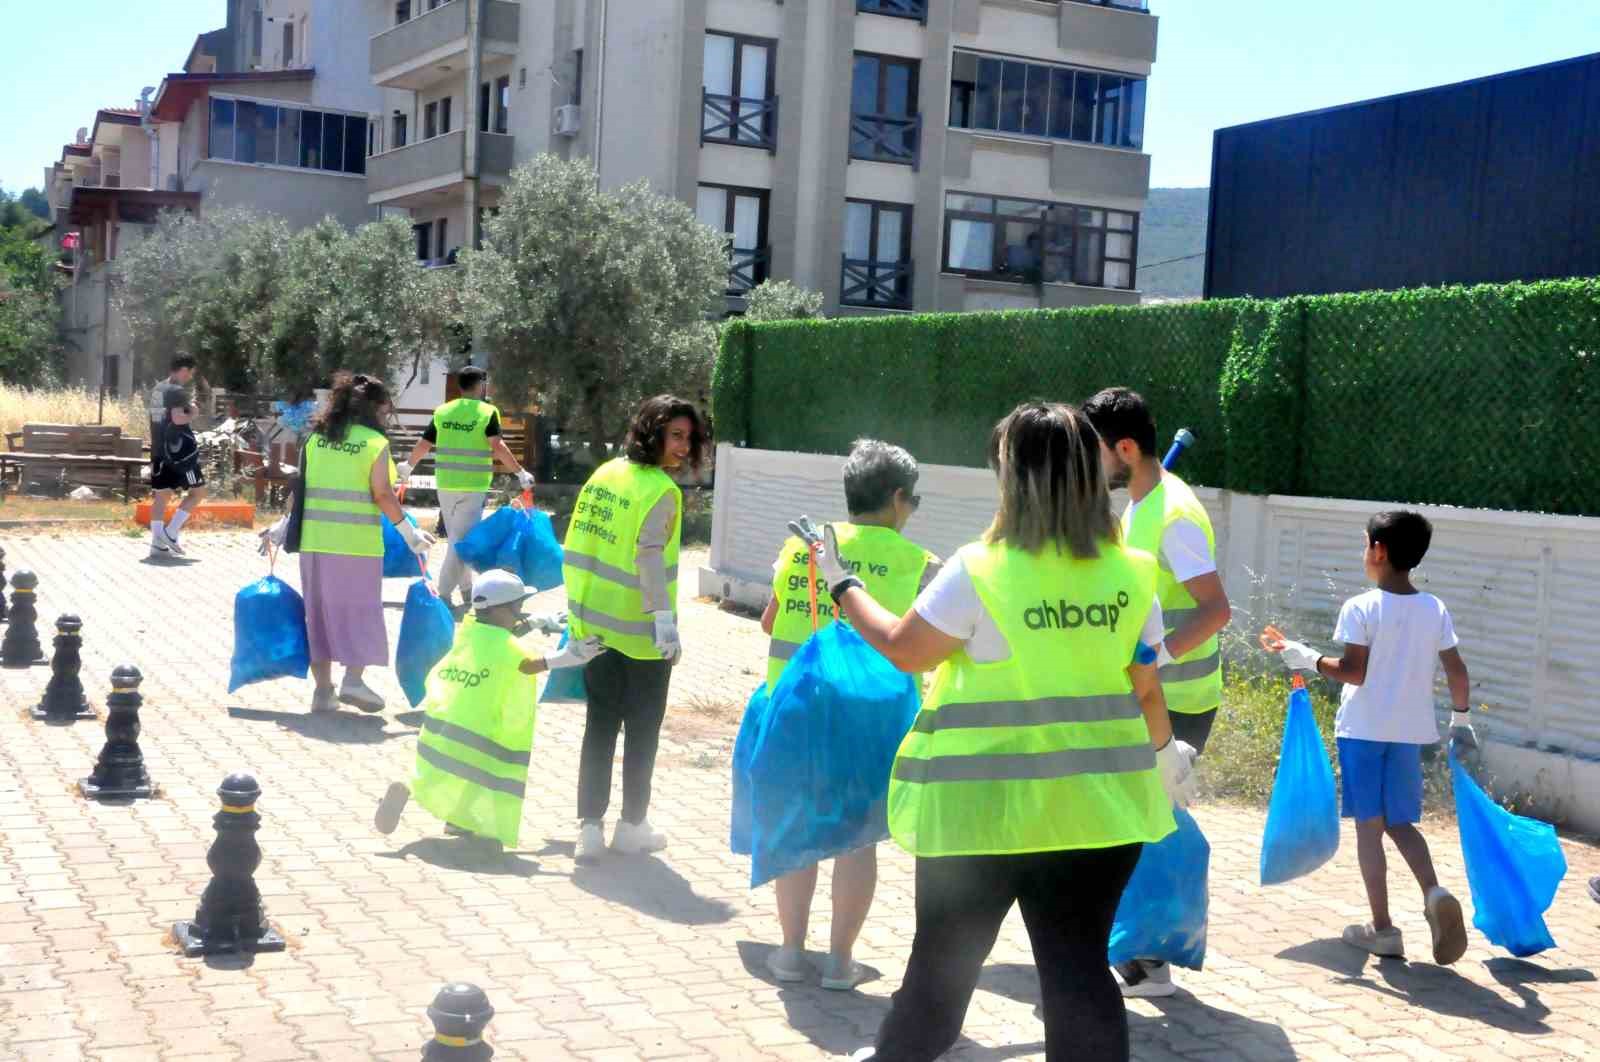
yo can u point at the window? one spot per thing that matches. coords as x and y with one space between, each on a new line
1033 242
738 91
1035 99
502 110
884 123
577 76
742 214
422 234
444 115
256 34
877 254
485 113
265 133
430 120
398 140
402 11
917 9
441 230
288 43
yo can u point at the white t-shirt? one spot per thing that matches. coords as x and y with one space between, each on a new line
952 605
1184 549
1404 635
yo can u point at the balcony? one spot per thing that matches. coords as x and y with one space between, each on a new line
397 177
433 45
747 268
886 138
917 9
739 120
1121 28
880 285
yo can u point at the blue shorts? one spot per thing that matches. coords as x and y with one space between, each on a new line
1381 779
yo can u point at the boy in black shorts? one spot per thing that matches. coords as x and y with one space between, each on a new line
174 466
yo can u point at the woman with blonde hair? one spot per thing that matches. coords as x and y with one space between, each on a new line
1042 760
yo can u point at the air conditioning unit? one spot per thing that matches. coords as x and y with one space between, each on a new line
569 119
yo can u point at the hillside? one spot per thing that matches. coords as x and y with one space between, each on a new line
1173 225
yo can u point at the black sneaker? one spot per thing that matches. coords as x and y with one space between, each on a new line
1594 889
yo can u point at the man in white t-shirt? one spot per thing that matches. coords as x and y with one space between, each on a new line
1392 637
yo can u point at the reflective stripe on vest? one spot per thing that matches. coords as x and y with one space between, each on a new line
477 735
463 459
1193 682
890 565
1047 749
340 515
600 568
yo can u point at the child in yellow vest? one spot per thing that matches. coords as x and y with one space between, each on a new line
477 735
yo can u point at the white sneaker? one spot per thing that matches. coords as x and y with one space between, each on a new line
158 546
1144 979
1384 943
591 843
842 975
389 809
358 694
788 965
323 699
1448 927
170 540
637 838
866 1054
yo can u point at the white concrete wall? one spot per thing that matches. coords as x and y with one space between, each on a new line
1519 586
302 197
639 139
337 49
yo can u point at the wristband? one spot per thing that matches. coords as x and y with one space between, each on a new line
844 584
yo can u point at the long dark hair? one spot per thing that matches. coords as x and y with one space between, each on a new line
647 435
356 400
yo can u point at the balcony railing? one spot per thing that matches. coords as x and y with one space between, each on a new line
747 267
883 284
886 138
739 120
917 9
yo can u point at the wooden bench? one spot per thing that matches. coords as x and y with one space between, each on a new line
47 456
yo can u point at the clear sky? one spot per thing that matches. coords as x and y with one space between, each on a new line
1221 62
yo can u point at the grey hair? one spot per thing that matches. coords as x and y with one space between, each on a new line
873 472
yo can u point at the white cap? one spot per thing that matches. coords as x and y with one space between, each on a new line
497 587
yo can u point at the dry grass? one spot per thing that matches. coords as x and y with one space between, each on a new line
19 406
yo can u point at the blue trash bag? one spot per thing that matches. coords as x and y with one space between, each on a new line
479 547
819 771
1303 818
1163 910
1514 865
564 686
755 717
426 633
398 560
530 550
269 633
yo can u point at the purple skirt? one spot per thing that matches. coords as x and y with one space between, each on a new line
344 609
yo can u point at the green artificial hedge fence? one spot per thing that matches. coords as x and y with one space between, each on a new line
1486 396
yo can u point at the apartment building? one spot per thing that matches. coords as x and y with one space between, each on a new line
267 112
894 154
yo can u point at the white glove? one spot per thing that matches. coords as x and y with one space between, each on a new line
274 536
418 539
1298 656
402 472
1462 736
1163 657
553 623
833 568
666 634
1175 760
575 653
525 479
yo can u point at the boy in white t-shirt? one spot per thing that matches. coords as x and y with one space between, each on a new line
1392 636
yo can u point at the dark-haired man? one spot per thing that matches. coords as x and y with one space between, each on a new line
465 435
174 457
1165 519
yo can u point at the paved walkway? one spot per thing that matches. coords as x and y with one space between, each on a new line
636 958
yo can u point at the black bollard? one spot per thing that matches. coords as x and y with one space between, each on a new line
230 917
460 1013
2 584
20 647
63 697
120 773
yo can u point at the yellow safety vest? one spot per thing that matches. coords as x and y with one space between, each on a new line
891 566
1047 749
477 734
340 515
1193 682
462 459
604 595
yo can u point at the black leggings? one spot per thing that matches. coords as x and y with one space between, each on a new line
1068 900
625 695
